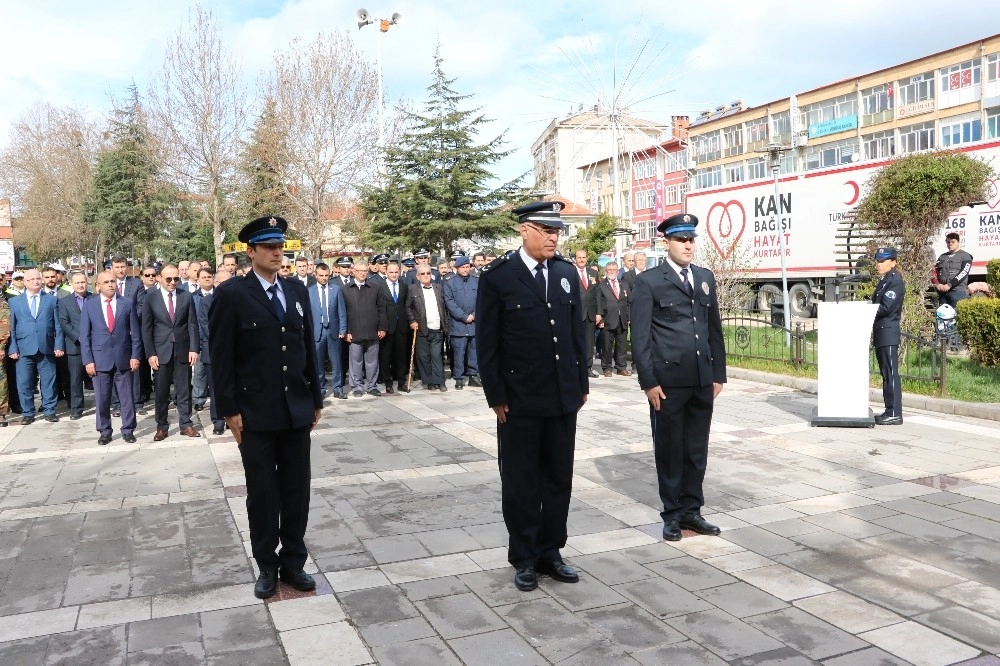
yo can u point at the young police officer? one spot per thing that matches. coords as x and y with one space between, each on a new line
885 333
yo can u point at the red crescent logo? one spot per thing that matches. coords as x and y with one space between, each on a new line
857 193
726 223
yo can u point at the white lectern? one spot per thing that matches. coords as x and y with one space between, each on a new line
844 334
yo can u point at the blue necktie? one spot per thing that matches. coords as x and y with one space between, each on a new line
276 302
395 298
540 277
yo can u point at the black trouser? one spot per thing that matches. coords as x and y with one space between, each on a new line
429 358
589 337
536 479
680 446
276 464
394 356
13 397
892 392
74 364
178 373
62 379
613 341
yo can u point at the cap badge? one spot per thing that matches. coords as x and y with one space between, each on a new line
273 222
298 308
704 287
687 218
564 283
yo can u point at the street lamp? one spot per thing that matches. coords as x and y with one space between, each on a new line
774 152
364 18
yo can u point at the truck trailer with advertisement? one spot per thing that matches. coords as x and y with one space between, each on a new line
813 210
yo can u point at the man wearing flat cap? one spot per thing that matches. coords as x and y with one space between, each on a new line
886 336
267 386
680 356
532 364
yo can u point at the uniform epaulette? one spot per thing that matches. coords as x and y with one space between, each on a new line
499 261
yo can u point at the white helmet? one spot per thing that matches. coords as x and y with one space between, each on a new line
945 312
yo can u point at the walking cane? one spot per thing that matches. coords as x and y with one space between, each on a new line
413 347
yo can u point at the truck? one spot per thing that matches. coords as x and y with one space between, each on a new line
814 211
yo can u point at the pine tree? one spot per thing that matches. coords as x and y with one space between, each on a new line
436 184
127 204
263 191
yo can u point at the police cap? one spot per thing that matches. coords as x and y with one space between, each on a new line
345 262
422 252
456 254
380 259
270 229
545 213
681 225
409 263
883 253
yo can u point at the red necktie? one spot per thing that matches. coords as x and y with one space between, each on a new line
614 287
170 305
121 288
111 317
583 279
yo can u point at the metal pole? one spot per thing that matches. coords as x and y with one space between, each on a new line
616 190
381 112
781 245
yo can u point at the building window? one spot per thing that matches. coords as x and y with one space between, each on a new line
880 145
993 67
708 178
757 131
682 190
992 123
830 109
645 199
915 89
756 168
708 147
734 172
781 127
959 130
960 83
645 168
876 104
672 195
830 154
734 140
913 138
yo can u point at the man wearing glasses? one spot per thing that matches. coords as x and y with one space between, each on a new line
680 356
533 367
36 340
16 285
286 268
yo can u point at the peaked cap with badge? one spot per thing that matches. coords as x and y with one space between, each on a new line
681 225
270 229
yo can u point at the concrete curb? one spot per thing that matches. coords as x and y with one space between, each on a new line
987 410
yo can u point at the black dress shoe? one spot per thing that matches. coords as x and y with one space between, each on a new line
218 431
141 410
52 418
267 584
129 437
300 580
402 387
116 413
75 416
357 394
27 420
559 571
389 390
882 419
198 408
442 388
526 579
375 392
3 421
104 440
459 385
474 381
671 531
698 524
340 396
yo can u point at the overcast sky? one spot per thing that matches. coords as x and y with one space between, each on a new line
526 63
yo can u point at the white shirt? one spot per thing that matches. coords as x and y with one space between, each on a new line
431 306
104 309
532 263
677 269
267 285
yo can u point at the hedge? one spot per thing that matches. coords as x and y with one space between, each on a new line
979 325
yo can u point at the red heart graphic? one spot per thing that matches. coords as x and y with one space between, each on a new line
993 194
726 223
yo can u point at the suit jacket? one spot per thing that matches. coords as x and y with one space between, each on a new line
366 310
33 335
613 310
460 298
69 319
416 308
262 368
396 318
628 277
889 293
532 350
106 349
309 281
336 310
165 339
204 304
588 296
676 339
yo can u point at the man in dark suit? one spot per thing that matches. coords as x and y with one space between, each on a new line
199 375
626 271
170 341
69 318
205 357
394 354
428 316
36 341
131 288
587 279
680 355
110 349
302 272
267 383
889 293
366 326
532 352
612 320
329 317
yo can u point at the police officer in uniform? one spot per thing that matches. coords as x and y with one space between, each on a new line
888 295
953 268
266 383
680 356
532 363
421 256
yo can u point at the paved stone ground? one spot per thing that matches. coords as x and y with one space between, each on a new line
841 547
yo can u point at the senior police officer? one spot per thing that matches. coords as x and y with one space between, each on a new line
680 356
532 363
886 336
266 381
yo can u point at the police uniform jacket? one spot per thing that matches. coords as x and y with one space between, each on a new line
889 294
263 368
677 339
460 299
532 350
954 268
